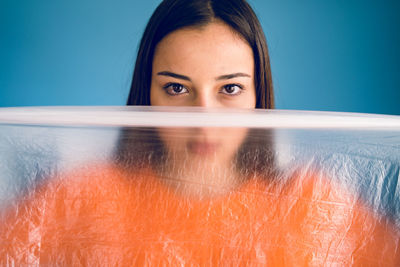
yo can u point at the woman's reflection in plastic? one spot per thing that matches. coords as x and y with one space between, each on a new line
203 162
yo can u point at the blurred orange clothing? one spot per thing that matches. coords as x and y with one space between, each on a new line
104 215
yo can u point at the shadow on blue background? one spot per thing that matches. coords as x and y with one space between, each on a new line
326 55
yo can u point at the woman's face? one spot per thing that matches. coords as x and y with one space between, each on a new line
210 66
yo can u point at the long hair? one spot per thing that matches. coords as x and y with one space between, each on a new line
172 15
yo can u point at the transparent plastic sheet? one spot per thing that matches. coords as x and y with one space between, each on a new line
121 186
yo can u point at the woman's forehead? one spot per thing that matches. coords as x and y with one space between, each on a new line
214 47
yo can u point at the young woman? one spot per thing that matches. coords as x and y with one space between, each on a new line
199 28
205 54
196 196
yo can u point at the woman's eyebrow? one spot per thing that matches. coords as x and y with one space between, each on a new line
174 75
231 76
186 78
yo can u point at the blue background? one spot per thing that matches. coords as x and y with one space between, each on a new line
326 55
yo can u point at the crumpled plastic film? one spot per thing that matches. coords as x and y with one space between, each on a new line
123 186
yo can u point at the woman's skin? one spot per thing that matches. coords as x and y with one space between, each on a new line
208 66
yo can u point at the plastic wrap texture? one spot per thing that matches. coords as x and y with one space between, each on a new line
198 196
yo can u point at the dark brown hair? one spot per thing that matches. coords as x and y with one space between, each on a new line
172 15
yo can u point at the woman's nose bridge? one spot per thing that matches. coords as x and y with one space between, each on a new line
204 98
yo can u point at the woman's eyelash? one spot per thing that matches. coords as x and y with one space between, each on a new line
235 84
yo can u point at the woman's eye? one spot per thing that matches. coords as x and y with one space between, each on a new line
175 89
231 89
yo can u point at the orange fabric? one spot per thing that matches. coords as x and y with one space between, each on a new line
105 216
